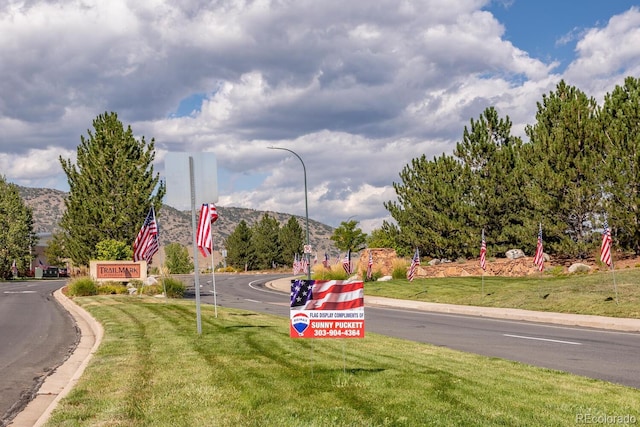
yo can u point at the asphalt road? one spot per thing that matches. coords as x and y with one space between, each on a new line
601 354
36 336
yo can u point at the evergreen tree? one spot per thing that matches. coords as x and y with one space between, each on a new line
264 239
16 230
240 251
384 237
620 122
348 237
291 240
494 157
111 188
433 208
565 154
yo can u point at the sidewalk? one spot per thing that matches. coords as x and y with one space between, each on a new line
584 320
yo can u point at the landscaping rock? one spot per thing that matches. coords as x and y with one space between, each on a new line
514 253
578 267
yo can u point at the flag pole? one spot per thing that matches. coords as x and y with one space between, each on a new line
613 275
213 281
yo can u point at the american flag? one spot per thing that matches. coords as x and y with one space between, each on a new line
304 264
483 252
538 259
326 295
204 240
326 260
146 243
296 265
301 293
14 268
346 262
605 248
415 262
370 266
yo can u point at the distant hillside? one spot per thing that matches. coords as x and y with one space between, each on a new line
175 226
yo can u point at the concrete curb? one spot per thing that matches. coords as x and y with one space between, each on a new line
64 378
566 319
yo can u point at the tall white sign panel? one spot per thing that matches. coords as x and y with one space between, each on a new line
205 174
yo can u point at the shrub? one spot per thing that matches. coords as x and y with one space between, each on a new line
174 288
399 269
336 272
82 287
111 288
556 271
150 289
375 275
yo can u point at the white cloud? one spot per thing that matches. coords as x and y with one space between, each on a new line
357 89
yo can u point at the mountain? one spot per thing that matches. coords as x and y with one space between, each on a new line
175 226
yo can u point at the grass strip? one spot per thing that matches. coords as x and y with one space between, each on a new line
153 369
577 293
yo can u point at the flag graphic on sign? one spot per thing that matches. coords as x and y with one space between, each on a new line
415 262
204 240
605 248
326 295
483 252
146 243
538 259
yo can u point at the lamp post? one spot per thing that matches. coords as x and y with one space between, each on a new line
306 205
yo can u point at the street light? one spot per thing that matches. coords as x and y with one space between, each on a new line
306 204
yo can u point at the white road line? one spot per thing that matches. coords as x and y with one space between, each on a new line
253 300
542 339
20 292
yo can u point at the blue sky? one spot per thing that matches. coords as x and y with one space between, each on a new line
548 29
357 89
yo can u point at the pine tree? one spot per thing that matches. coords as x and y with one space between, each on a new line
497 180
291 240
566 154
434 206
240 251
111 188
16 230
265 242
620 121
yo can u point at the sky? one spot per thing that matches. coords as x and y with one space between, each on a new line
356 89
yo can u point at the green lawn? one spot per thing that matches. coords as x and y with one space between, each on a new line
577 293
153 369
